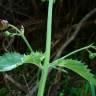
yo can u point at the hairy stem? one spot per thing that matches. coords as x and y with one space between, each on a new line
71 53
78 50
47 53
23 36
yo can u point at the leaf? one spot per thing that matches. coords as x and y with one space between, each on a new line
35 58
92 55
10 61
78 67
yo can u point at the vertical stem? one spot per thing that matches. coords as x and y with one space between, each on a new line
48 48
92 89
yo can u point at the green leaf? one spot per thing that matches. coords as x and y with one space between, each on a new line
35 58
78 67
92 55
10 61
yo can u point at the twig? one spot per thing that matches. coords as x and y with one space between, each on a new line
26 83
18 85
8 45
33 90
75 33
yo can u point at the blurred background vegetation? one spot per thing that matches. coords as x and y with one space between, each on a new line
32 14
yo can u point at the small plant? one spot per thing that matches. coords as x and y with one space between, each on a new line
12 60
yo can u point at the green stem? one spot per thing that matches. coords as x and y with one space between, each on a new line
71 53
92 89
23 37
78 50
48 48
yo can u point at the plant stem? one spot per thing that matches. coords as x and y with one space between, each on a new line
78 50
47 53
23 36
71 53
92 89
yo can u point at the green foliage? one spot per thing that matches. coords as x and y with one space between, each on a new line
3 92
35 58
78 67
10 34
92 55
61 94
12 60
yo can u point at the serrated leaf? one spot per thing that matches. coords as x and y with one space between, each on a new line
78 67
10 61
35 58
